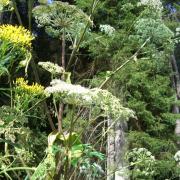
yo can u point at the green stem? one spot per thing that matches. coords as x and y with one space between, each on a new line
33 65
17 12
35 105
94 4
11 91
76 48
30 7
61 105
23 163
17 168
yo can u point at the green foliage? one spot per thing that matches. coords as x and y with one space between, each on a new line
145 85
162 149
78 155
46 169
12 124
154 144
17 138
76 149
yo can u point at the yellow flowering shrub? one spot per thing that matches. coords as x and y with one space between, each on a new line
35 88
16 35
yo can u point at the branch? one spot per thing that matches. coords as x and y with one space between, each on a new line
30 7
126 62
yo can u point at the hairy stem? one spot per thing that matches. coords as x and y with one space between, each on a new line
61 106
30 7
94 5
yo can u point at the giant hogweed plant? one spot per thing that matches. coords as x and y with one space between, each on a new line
99 103
59 22
72 154
65 22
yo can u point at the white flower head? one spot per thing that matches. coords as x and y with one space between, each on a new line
107 29
155 4
96 98
52 67
177 156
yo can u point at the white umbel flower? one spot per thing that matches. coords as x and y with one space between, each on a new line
59 86
107 29
52 67
177 156
156 4
97 99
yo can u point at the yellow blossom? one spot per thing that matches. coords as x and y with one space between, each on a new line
16 34
31 89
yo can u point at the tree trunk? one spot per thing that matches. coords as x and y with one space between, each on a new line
110 151
116 145
176 84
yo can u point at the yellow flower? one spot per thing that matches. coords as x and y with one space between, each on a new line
31 89
16 34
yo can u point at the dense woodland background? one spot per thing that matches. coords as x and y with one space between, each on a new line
124 124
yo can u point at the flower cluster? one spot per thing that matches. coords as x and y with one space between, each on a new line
143 162
35 88
56 15
98 99
52 68
16 35
177 156
155 4
74 94
138 152
107 29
